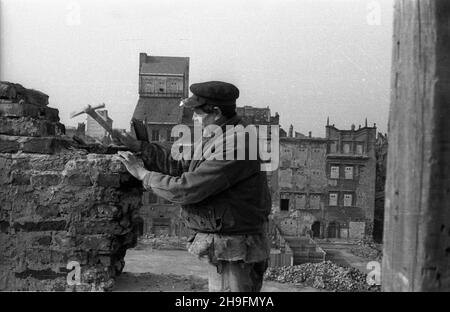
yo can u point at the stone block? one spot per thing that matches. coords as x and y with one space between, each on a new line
39 145
45 180
19 177
26 126
15 91
29 110
77 179
9 147
44 145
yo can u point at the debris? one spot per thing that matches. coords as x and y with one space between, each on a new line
323 275
367 249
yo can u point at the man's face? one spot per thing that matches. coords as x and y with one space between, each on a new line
204 119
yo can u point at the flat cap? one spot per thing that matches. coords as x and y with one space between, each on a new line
214 92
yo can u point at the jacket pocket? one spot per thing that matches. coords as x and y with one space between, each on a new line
202 218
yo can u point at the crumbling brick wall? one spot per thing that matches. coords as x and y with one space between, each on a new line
61 203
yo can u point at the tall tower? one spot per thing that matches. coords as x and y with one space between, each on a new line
163 82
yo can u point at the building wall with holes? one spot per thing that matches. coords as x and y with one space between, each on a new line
327 183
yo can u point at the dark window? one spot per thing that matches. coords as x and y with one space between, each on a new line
315 228
284 204
155 135
169 136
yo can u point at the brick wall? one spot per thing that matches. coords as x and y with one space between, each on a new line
60 203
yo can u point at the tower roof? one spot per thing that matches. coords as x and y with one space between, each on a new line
161 111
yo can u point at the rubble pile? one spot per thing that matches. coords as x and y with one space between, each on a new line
323 275
368 249
59 203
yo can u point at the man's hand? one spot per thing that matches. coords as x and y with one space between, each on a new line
132 164
127 140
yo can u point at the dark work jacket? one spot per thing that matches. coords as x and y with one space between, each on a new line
216 196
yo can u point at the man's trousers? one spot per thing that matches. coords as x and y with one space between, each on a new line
236 276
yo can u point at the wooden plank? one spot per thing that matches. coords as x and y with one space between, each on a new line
417 209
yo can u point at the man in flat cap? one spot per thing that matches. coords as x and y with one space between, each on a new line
225 202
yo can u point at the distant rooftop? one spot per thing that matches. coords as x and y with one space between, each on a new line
163 64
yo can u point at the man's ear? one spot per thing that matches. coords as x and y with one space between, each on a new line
218 112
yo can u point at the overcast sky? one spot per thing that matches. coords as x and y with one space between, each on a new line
306 60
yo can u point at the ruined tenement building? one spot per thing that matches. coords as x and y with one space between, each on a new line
326 186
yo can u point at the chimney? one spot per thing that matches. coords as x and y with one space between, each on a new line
309 134
291 131
353 127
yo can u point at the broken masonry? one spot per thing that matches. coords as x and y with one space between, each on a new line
61 201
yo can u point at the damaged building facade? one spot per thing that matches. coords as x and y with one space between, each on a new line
326 186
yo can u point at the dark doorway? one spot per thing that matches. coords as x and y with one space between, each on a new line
333 230
139 224
284 204
315 228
